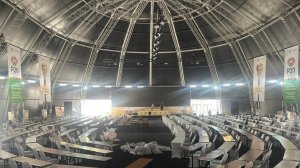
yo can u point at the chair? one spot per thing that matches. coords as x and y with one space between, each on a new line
264 163
216 163
209 147
26 165
249 165
49 159
214 142
12 163
234 154
267 139
36 154
262 136
25 153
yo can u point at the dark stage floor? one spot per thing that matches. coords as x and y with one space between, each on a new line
157 131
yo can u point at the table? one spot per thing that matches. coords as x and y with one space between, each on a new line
226 146
66 166
234 164
251 155
139 163
6 155
86 148
33 138
287 164
286 143
66 132
212 155
33 162
292 155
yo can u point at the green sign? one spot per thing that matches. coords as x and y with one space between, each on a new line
290 91
15 90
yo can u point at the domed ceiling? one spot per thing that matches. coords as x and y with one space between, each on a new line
110 42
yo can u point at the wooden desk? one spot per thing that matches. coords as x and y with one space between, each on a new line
287 164
66 132
226 137
286 143
292 155
234 164
33 162
251 155
84 136
32 139
226 146
86 148
88 157
212 155
6 155
66 166
139 163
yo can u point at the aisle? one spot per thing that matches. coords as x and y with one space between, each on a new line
157 131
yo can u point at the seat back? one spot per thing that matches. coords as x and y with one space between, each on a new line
58 145
67 147
203 150
42 154
36 154
26 165
12 163
249 165
209 147
225 157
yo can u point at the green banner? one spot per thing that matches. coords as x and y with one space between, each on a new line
15 90
290 91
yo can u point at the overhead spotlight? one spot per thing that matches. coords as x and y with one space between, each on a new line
193 86
2 77
216 87
205 86
272 81
31 81
62 84
281 83
108 86
140 86
85 88
226 85
75 85
128 86
95 86
239 84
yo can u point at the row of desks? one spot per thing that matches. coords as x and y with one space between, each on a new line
34 162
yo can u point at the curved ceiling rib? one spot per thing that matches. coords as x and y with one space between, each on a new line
167 14
134 16
130 5
202 41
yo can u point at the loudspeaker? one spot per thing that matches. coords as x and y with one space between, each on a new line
68 108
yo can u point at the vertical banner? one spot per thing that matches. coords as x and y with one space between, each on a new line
290 87
259 76
45 85
14 75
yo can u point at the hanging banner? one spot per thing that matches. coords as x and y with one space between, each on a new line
45 84
14 63
14 75
259 76
290 87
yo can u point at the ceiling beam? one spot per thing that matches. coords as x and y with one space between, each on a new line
134 16
167 13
